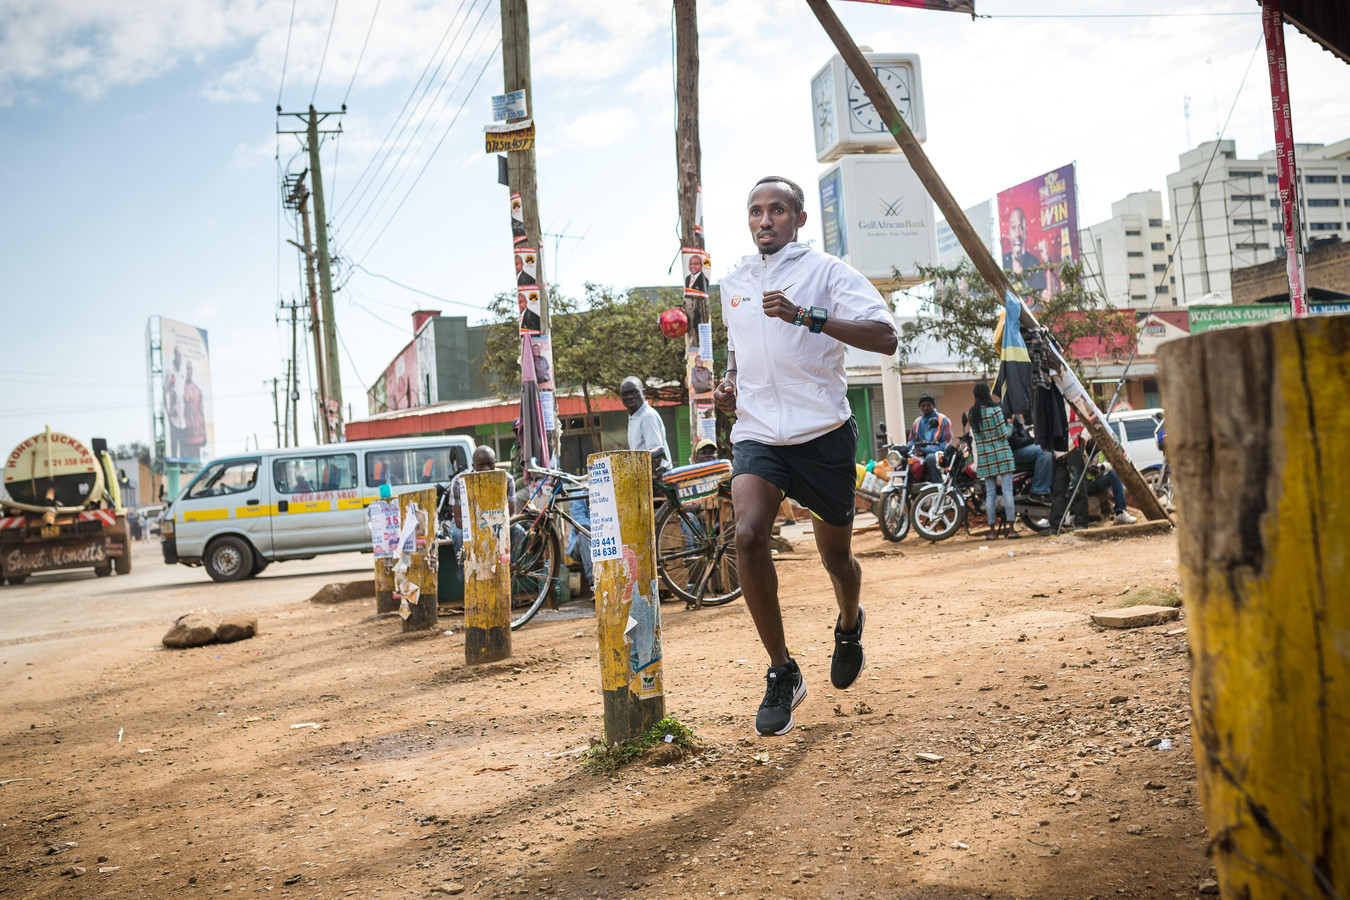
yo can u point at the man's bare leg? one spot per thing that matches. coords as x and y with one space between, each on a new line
756 501
835 544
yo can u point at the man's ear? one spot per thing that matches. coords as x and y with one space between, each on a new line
801 219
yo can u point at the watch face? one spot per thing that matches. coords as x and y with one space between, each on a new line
863 116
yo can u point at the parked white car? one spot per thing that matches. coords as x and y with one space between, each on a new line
1136 428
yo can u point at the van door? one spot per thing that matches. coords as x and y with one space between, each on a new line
227 497
319 508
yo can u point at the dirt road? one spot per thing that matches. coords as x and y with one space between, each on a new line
331 756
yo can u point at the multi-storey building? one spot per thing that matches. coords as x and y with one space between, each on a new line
1234 211
1125 257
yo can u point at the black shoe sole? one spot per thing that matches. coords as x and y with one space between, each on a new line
796 701
862 664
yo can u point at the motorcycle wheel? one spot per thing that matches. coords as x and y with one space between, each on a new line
938 513
893 517
1030 520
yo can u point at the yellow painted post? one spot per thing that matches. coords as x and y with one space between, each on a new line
1258 435
417 586
627 610
487 568
384 586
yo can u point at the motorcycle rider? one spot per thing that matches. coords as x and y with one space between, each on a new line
930 433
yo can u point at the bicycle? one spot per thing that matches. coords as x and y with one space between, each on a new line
695 538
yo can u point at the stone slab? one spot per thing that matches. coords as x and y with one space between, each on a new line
1136 616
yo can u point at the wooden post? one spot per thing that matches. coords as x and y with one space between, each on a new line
979 254
1258 435
487 568
421 573
384 586
623 543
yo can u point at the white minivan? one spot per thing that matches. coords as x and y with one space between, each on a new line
243 512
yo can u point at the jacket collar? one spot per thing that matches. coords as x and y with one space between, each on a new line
791 250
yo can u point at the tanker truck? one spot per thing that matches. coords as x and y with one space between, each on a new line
61 509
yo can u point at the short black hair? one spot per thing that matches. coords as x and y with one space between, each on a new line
797 196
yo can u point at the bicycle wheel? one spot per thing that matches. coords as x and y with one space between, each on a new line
536 563
894 518
938 513
696 545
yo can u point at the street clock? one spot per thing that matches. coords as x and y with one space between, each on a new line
846 121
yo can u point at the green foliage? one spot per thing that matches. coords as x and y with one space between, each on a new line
602 760
963 312
134 450
1151 596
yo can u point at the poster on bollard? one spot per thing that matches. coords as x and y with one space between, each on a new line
382 517
606 542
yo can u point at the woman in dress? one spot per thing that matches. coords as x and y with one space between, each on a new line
993 456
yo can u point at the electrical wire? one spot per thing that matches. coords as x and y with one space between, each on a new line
362 55
359 380
486 62
416 290
285 57
324 58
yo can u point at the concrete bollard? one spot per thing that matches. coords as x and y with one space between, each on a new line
1258 437
421 574
627 609
487 568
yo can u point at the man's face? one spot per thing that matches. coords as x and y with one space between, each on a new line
695 264
631 395
484 462
1017 230
706 454
520 264
773 217
927 407
189 371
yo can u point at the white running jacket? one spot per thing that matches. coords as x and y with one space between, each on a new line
791 384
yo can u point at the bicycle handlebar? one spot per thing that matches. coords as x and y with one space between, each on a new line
559 474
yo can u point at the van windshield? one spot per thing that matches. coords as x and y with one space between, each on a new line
232 476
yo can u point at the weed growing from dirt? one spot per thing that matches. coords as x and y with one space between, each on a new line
602 760
1151 596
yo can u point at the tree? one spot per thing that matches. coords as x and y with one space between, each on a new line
598 344
135 450
962 313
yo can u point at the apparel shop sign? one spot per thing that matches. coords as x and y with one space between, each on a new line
877 217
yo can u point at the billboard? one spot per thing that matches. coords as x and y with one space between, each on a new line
402 385
950 253
186 360
1038 226
878 215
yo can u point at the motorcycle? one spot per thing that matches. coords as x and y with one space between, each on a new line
1159 478
941 509
894 508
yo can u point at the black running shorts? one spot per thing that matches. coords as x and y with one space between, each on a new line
818 474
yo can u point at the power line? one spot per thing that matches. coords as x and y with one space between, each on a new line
324 58
362 55
491 56
285 58
356 265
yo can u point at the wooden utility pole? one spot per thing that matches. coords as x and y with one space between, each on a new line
983 260
689 166
325 278
276 411
417 588
299 201
520 165
487 568
1257 437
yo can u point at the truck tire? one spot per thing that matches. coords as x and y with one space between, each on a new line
228 558
123 563
16 579
104 570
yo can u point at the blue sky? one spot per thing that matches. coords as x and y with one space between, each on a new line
139 163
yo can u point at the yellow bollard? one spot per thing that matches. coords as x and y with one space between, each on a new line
1258 436
487 568
420 578
384 586
627 610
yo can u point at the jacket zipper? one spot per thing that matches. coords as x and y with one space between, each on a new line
764 343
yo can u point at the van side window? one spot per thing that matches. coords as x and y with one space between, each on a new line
430 465
229 477
1140 429
312 474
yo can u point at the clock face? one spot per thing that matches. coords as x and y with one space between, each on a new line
863 116
823 117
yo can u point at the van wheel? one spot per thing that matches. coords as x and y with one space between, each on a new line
228 559
104 570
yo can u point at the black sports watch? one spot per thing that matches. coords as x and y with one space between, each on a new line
818 318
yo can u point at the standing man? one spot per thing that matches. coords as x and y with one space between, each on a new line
484 460
789 311
930 433
646 431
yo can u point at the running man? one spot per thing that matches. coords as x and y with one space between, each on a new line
789 311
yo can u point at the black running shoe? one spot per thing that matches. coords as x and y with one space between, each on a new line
786 690
848 654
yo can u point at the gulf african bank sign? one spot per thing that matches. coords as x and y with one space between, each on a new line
877 217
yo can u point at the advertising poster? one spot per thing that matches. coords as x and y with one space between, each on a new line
527 289
698 212
187 392
541 350
517 220
707 421
700 375
1038 227
528 301
696 262
832 213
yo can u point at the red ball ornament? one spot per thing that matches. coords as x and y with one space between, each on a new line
674 322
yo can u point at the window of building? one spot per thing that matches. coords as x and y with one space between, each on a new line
1244 173
1157 245
1160 267
1324 201
1345 179
1256 246
1135 253
310 474
1139 296
1132 232
1273 179
1137 275
1248 198
1249 221
1155 223
1324 226
1168 236
1160 289
1275 203
1320 179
